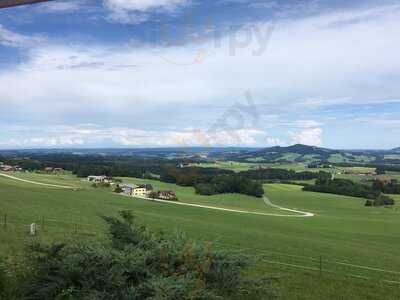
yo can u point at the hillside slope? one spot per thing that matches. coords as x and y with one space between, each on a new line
307 154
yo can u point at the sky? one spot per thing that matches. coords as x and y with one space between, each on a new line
159 73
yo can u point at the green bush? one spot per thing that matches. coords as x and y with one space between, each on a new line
230 184
118 189
101 185
137 264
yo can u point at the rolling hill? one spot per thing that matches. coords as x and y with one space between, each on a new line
308 154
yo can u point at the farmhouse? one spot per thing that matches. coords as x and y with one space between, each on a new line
53 170
167 195
319 164
384 179
127 189
99 179
7 168
140 191
137 190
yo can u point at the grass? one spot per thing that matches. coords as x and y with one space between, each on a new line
66 179
311 157
256 159
392 156
230 201
359 169
241 166
298 167
289 156
340 158
343 230
228 165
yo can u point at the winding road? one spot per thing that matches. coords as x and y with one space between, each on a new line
301 214
304 214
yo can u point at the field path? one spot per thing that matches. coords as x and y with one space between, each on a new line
38 183
302 213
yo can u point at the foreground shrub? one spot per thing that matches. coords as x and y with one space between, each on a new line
381 200
137 264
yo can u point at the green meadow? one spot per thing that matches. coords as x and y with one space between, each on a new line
227 165
347 251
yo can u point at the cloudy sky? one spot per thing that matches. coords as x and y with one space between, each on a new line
140 73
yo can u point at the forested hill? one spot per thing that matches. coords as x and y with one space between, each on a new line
294 153
308 154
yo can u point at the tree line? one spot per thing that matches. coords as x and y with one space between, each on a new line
212 181
206 181
346 187
391 187
278 174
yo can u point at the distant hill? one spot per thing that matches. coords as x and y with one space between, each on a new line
294 153
298 149
307 154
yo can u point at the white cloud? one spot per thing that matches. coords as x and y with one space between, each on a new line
143 5
312 137
14 39
274 142
95 135
387 120
310 63
297 124
60 6
137 11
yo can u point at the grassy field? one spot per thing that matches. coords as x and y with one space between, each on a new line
339 158
343 230
230 201
228 165
241 166
392 156
333 158
353 172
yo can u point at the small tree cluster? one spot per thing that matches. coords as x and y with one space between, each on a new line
230 184
118 189
101 185
381 200
349 188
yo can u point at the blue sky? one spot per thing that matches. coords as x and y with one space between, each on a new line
141 73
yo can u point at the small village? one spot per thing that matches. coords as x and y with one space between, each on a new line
145 191
8 168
